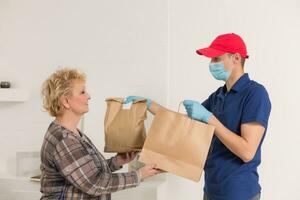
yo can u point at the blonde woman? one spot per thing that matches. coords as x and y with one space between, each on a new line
72 167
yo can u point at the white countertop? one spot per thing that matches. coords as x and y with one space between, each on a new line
15 188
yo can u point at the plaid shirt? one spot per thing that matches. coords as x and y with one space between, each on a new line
72 168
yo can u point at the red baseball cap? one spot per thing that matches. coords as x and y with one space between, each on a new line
226 43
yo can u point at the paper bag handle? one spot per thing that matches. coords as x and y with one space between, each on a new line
190 119
179 106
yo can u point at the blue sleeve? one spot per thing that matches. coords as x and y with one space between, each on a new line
257 107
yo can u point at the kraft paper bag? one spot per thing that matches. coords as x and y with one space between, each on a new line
177 144
124 125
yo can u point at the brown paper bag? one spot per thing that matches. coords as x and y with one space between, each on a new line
177 144
124 127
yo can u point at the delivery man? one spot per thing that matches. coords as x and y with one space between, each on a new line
239 110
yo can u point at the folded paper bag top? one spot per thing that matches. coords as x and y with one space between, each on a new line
124 126
177 144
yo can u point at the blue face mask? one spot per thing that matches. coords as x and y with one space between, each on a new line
218 71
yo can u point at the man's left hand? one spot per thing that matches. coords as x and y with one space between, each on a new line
196 111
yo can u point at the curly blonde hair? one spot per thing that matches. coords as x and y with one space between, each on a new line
59 84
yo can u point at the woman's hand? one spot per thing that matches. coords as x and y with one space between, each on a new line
148 171
124 158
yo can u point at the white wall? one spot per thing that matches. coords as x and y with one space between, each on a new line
121 45
271 31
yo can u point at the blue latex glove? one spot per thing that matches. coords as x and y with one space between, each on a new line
135 98
196 111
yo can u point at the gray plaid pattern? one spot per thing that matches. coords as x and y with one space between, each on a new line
73 169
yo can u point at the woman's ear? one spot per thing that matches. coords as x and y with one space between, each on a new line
64 100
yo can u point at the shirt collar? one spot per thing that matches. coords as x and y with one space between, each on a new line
239 84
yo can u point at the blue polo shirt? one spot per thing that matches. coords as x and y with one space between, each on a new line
227 177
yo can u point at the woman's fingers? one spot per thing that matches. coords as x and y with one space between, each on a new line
133 154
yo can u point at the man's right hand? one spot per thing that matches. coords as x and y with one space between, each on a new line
152 106
135 98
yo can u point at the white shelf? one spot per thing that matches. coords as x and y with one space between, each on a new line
13 95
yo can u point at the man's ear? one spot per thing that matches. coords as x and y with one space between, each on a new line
237 58
64 100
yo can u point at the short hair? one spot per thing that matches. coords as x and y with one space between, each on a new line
59 84
243 61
